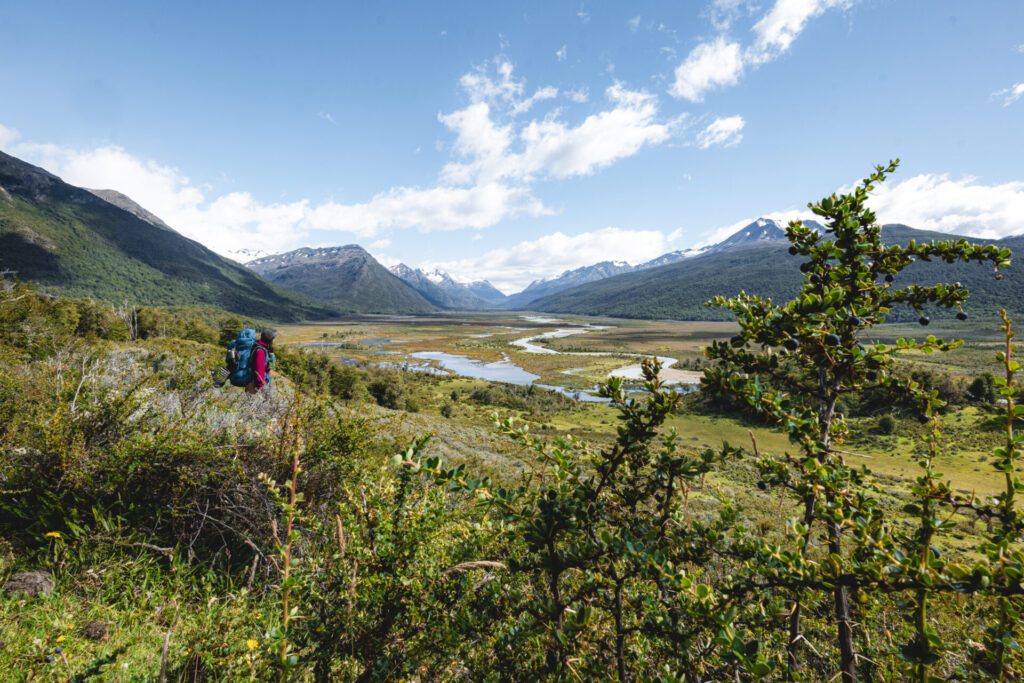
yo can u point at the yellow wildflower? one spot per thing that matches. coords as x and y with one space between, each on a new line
253 644
60 639
53 534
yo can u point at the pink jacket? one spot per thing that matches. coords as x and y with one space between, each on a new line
259 365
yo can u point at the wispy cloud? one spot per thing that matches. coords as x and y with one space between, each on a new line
722 131
326 117
511 269
579 95
498 156
634 24
723 13
1011 94
562 54
721 62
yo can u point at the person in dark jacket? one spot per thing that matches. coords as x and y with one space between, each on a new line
262 362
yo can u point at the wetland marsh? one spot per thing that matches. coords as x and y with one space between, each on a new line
573 355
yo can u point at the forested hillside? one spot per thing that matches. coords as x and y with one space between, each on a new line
70 241
679 290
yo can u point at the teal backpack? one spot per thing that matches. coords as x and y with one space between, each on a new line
239 357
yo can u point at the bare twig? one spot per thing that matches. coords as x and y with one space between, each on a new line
478 564
163 657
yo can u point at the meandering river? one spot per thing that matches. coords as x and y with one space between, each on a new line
505 370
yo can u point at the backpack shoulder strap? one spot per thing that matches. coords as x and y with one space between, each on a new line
257 347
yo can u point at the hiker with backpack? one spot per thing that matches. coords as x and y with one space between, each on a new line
262 360
248 361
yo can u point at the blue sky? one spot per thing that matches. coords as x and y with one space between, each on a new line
513 141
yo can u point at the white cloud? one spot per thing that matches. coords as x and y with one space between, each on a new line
634 23
383 259
579 95
7 136
220 222
550 147
709 66
502 89
724 12
557 150
380 244
326 117
1020 48
546 93
777 29
965 206
481 87
511 269
1011 94
562 54
927 202
477 137
496 160
721 62
432 209
722 131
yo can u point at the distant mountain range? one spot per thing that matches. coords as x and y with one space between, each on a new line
761 231
347 277
765 268
101 244
351 279
441 289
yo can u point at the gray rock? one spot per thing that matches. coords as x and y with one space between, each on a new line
30 583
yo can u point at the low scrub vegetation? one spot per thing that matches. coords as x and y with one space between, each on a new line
189 533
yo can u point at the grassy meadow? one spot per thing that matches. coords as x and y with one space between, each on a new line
160 571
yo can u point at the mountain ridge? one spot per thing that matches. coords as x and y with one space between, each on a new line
74 242
442 290
678 291
347 277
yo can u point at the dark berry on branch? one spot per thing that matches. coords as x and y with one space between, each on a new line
832 340
924 320
961 316
791 344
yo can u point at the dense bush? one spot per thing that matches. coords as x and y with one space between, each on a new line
848 288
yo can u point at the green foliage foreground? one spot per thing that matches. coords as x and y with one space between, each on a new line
158 505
